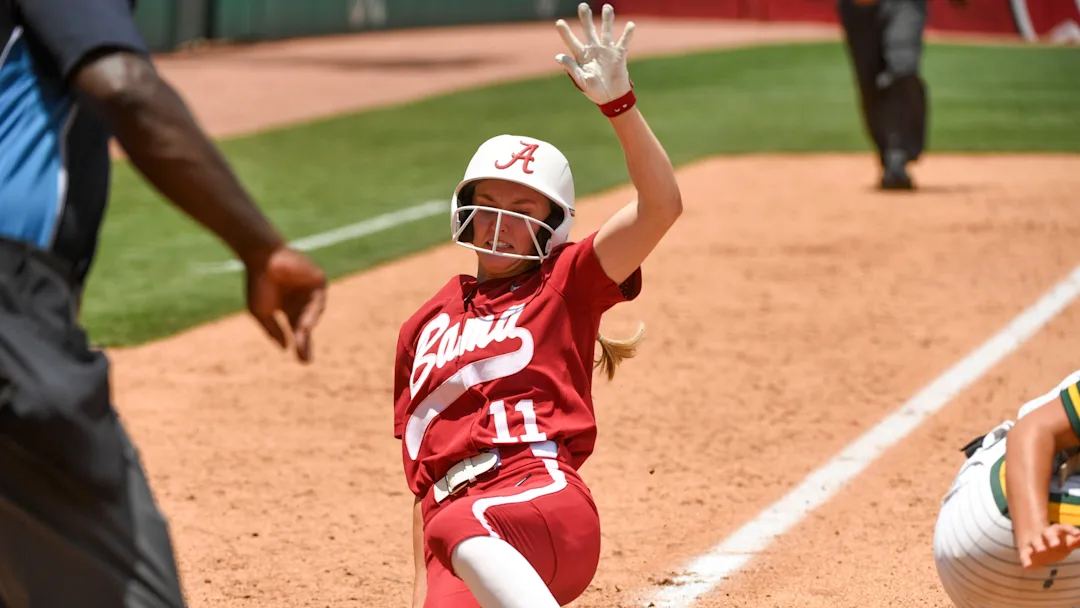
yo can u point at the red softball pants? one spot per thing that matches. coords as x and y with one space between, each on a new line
540 506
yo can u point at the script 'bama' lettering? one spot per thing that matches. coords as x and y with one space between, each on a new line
440 343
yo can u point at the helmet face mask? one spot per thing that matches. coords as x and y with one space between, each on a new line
526 161
538 230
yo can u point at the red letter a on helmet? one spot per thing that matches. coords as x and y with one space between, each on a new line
525 156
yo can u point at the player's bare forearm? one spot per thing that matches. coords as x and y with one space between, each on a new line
420 576
627 239
598 67
1028 468
650 169
164 142
1032 444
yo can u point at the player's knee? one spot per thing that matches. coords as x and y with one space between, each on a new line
897 79
901 64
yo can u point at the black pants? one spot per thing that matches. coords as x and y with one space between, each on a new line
884 41
79 526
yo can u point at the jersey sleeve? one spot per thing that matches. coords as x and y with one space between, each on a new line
1070 399
579 276
70 30
402 395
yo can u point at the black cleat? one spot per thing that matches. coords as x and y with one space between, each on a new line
895 175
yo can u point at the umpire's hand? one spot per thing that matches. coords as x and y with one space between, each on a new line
166 144
289 282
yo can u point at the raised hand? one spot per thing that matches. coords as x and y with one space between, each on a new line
598 66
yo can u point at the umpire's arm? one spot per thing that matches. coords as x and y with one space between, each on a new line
98 49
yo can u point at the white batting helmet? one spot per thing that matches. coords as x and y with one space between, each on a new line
529 162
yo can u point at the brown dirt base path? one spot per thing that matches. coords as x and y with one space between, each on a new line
791 308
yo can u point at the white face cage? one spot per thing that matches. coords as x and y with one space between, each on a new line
532 222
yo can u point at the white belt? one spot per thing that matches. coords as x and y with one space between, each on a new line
464 473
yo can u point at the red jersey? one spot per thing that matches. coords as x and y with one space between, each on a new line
506 361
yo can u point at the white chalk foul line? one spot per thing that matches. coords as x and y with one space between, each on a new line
345 233
705 572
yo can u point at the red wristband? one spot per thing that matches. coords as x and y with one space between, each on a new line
620 105
617 107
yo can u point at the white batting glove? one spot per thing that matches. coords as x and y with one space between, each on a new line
598 67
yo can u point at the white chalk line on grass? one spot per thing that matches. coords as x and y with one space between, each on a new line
344 233
707 571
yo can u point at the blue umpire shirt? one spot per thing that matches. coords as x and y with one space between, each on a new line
54 154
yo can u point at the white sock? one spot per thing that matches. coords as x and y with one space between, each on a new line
499 576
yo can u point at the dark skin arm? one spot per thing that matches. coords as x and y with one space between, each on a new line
164 142
1029 459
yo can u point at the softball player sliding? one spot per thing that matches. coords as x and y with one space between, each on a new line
1007 528
493 375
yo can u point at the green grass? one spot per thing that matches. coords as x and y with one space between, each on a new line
315 177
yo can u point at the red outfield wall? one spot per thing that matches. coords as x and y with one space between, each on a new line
1030 19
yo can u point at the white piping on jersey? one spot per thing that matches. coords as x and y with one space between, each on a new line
1051 395
484 370
15 35
62 176
558 482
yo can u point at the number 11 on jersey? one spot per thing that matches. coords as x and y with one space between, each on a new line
502 427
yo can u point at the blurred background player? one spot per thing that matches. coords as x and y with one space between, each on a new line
885 43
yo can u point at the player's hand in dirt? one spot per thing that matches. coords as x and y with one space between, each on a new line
291 283
1054 544
598 67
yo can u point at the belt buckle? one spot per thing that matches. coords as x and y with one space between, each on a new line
467 467
462 480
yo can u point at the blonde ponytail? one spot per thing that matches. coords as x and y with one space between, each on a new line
613 352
